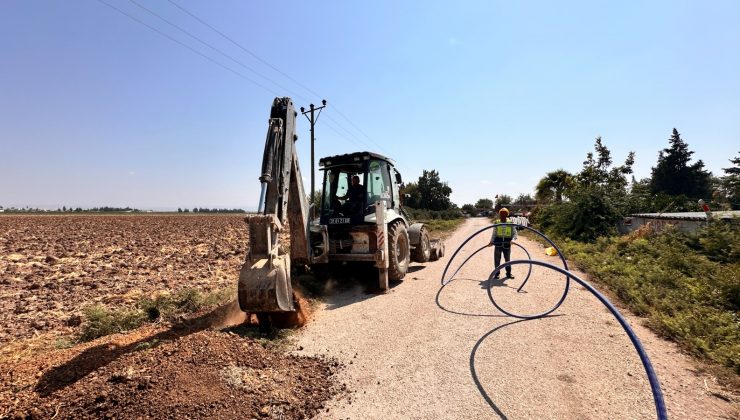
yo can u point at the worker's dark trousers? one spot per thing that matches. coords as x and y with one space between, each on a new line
506 249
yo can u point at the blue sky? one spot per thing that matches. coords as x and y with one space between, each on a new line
97 109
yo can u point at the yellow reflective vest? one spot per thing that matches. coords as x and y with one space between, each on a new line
504 233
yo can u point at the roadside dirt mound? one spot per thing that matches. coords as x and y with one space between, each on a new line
168 374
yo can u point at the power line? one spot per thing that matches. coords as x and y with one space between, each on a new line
354 136
244 49
190 48
355 139
265 62
357 128
331 127
212 47
244 65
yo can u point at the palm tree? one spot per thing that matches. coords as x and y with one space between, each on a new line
553 186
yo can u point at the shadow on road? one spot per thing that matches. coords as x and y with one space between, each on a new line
497 282
439 304
344 284
415 268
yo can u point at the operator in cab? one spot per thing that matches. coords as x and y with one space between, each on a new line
356 195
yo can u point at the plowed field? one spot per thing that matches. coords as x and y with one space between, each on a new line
53 266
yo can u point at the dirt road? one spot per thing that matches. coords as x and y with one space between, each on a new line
422 352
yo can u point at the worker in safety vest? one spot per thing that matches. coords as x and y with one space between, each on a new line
501 239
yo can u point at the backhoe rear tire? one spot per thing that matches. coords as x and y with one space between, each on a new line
423 251
398 251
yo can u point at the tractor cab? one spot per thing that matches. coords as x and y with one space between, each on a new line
353 183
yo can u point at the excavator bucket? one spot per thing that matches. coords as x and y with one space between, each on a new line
264 280
264 286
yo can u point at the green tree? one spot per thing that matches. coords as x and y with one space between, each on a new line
525 200
468 208
553 186
503 200
729 185
484 203
674 175
641 198
598 171
411 195
433 193
597 200
316 199
735 170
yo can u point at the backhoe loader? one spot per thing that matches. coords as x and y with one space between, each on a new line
364 222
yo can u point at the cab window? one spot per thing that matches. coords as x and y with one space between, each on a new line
335 200
379 182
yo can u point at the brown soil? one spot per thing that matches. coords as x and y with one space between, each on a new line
168 373
52 266
298 318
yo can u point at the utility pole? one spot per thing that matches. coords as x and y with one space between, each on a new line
312 119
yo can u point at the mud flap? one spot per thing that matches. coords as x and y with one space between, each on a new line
264 286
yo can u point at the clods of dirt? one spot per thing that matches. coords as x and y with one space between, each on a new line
201 374
52 266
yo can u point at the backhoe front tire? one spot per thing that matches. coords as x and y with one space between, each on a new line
423 251
398 251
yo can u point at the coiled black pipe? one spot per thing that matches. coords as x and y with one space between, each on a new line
542 235
652 376
529 257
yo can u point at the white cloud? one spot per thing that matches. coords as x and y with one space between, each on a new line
485 181
132 173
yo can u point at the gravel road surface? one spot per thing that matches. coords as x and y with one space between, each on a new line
423 352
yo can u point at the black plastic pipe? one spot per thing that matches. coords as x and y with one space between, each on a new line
652 376
542 235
